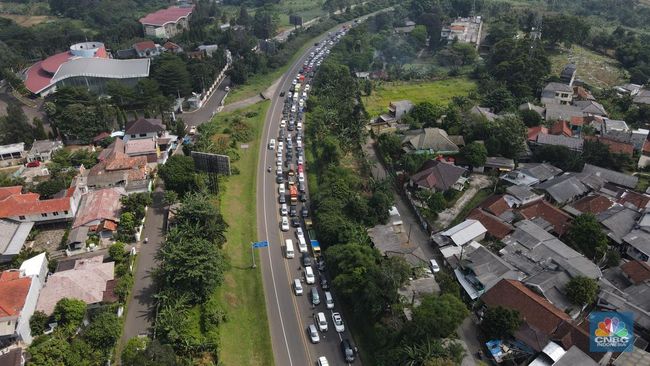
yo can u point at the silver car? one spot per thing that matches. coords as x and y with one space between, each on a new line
313 333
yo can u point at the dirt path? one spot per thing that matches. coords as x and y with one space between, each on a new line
447 216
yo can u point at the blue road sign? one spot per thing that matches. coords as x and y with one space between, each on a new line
261 244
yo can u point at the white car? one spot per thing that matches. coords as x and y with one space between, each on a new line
304 94
278 162
280 145
301 160
301 177
297 287
271 144
301 102
299 233
313 333
281 188
435 268
338 322
321 321
322 361
285 223
283 210
307 87
294 82
278 153
279 171
283 124
293 108
309 274
299 126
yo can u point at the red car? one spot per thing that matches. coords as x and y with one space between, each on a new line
33 164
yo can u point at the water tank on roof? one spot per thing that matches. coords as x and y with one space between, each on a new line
86 49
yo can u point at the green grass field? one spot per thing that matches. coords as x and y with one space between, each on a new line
440 92
244 338
595 69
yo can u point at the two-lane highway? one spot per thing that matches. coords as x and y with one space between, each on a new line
289 315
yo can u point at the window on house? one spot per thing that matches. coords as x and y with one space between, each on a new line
21 217
143 135
43 215
55 213
132 136
65 212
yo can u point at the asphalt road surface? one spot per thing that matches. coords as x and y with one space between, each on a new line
289 315
209 108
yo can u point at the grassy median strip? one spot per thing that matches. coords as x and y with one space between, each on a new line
244 338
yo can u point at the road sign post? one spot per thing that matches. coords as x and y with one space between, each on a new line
259 244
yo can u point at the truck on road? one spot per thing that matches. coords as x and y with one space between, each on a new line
293 192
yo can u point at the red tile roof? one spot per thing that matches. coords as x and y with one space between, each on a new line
457 27
495 226
534 309
170 15
13 291
19 204
594 204
561 127
639 200
534 131
549 213
169 45
9 191
637 271
614 146
577 121
495 205
144 45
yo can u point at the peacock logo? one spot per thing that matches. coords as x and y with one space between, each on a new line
611 327
611 331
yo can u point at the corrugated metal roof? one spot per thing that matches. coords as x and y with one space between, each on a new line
103 68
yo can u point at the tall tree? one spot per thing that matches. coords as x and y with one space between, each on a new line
582 290
500 323
14 127
171 74
475 153
179 174
437 317
586 236
191 264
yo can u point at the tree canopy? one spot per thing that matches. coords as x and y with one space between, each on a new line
500 323
586 236
179 174
582 290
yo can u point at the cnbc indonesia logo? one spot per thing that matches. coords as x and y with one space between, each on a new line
611 331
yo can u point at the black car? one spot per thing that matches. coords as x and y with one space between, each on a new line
324 284
347 350
306 259
293 212
279 179
295 222
282 94
304 211
282 199
302 197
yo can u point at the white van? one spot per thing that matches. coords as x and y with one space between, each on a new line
302 244
329 300
288 248
309 276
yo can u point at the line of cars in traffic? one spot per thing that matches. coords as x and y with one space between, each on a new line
292 192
